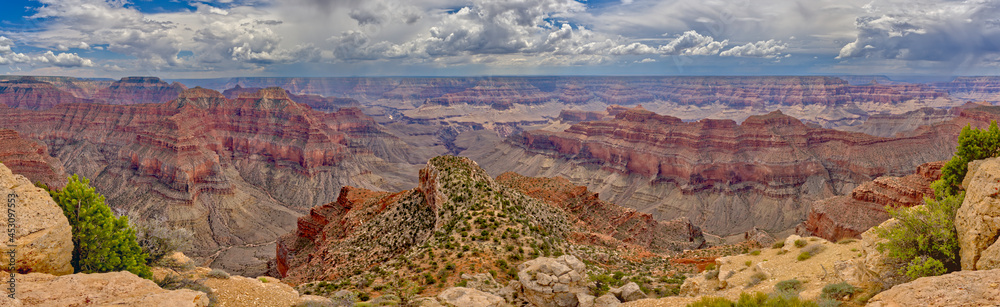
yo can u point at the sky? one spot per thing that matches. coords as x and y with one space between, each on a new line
315 38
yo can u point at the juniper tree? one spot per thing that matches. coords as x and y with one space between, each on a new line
101 241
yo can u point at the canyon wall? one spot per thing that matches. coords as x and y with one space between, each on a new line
725 177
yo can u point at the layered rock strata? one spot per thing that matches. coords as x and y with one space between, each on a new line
725 177
234 172
847 216
31 159
29 93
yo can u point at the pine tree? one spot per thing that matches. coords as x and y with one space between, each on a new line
101 241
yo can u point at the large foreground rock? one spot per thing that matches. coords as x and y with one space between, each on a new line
100 289
963 288
978 219
553 281
43 239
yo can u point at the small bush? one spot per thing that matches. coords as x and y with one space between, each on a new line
814 250
804 256
800 243
756 278
755 252
790 285
782 252
778 245
748 263
217 273
839 290
263 280
710 266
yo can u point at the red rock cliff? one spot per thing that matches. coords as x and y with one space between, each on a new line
31 159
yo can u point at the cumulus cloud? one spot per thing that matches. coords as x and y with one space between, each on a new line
761 49
64 60
926 30
125 30
8 56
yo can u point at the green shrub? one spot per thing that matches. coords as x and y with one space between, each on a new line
803 256
927 232
101 241
800 243
778 244
217 273
924 266
748 263
973 144
839 290
755 252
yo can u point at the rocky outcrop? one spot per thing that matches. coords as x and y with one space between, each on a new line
133 90
219 167
978 219
548 282
29 93
601 218
723 176
98 289
457 215
460 296
42 238
31 159
363 228
962 288
847 216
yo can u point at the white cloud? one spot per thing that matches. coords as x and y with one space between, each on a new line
64 60
762 49
8 56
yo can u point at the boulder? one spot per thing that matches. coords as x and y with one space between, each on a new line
631 292
468 297
962 288
585 300
553 282
760 236
98 289
607 300
978 219
44 242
